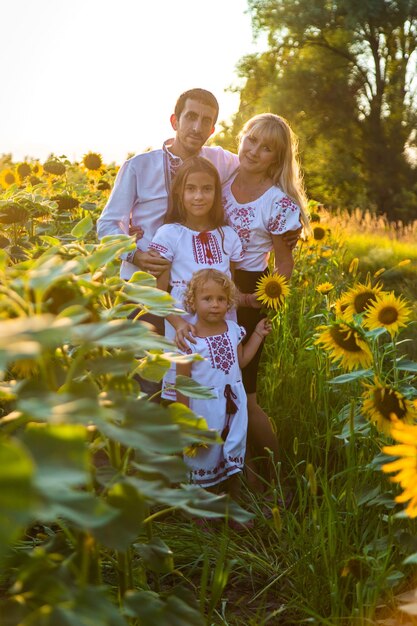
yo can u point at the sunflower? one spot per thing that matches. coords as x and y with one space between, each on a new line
386 406
319 233
345 345
23 170
405 465
340 306
65 202
56 168
37 169
13 213
103 185
92 161
388 312
359 298
324 288
271 290
8 178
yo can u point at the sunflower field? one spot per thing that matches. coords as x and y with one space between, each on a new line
98 524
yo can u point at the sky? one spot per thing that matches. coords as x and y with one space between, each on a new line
104 75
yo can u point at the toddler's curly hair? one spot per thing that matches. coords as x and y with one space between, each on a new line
203 276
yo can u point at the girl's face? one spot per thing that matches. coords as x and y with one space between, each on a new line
210 302
255 154
198 198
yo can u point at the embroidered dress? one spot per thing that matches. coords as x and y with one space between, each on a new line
190 251
255 222
140 194
226 413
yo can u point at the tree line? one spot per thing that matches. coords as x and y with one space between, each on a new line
343 72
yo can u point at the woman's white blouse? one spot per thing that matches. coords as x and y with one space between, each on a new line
273 213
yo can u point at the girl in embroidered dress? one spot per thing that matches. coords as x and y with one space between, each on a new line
209 296
194 236
264 200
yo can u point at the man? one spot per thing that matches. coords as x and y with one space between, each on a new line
139 199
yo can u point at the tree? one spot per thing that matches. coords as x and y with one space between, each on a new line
344 73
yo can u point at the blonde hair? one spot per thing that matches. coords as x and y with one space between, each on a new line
200 278
285 170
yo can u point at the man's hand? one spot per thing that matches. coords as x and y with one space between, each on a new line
136 231
291 237
184 332
151 262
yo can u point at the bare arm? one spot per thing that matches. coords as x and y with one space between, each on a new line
246 352
183 369
284 263
183 329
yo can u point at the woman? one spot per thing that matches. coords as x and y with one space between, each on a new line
264 200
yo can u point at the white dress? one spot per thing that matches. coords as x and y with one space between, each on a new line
220 370
189 251
273 213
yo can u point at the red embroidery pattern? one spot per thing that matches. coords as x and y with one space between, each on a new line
221 352
276 224
206 249
240 219
242 333
158 247
219 471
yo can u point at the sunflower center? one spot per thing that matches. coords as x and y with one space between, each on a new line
319 233
9 178
387 402
273 290
344 338
388 315
363 300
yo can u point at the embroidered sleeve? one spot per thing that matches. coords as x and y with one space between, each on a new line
236 253
190 350
285 215
242 334
164 242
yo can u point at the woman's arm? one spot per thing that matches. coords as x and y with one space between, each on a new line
183 369
284 262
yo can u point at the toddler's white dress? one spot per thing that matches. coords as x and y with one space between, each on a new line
227 412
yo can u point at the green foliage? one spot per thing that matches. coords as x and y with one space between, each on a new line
342 73
84 456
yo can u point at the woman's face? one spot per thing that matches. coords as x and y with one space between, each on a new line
255 154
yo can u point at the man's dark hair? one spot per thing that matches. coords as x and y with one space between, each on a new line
200 95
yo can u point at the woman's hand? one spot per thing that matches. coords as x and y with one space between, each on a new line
291 237
249 300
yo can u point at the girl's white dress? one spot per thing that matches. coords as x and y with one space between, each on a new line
190 251
220 370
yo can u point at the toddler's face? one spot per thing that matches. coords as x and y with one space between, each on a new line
211 302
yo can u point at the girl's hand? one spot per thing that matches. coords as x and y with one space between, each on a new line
263 327
184 332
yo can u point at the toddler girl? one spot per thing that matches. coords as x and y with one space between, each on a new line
209 296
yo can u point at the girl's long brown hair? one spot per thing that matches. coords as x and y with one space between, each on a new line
176 212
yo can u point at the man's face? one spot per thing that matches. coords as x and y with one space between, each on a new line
193 127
